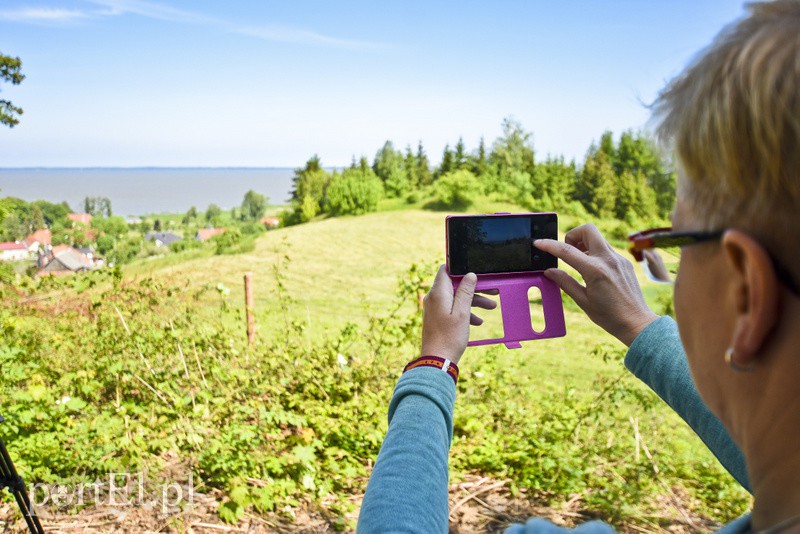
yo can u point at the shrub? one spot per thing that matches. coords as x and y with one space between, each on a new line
354 192
457 190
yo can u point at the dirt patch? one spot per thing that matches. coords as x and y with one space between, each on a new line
477 505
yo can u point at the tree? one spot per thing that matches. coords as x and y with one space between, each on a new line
597 188
460 160
190 216
308 190
388 166
554 182
513 151
410 168
424 176
10 72
54 214
213 214
447 164
114 226
37 219
639 154
354 191
253 206
97 206
14 229
608 148
457 190
480 164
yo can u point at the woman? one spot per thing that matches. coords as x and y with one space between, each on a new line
733 119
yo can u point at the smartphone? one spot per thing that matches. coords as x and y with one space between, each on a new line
500 243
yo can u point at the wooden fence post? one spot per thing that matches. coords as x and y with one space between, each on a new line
249 307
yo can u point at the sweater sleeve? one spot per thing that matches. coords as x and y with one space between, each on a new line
407 491
657 358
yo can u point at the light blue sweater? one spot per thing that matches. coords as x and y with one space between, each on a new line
407 491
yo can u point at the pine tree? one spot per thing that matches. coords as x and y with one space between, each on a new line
479 162
460 161
424 176
410 168
447 164
308 189
597 188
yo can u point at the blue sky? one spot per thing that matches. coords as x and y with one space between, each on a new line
267 83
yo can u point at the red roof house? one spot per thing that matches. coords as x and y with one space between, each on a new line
205 234
270 222
13 250
39 238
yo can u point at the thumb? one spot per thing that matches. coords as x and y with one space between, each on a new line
466 290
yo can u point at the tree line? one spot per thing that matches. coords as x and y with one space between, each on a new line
626 179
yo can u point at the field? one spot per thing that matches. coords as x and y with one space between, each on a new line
158 378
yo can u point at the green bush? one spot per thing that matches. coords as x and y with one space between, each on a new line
8 274
354 192
457 190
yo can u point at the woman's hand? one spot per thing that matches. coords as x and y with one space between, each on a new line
446 316
612 297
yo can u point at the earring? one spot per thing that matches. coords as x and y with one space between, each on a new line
733 365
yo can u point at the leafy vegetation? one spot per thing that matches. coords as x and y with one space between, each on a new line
628 180
10 71
120 371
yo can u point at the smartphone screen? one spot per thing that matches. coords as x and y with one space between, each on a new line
495 244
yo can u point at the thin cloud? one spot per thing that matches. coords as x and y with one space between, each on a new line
42 14
162 12
269 33
151 10
300 36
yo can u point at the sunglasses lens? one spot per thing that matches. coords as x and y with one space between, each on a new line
661 265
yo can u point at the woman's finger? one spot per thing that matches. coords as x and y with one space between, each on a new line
488 291
484 302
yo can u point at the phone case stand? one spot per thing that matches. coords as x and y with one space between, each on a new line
516 309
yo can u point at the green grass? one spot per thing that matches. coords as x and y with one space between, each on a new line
345 270
341 268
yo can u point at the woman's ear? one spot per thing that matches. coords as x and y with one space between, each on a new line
756 295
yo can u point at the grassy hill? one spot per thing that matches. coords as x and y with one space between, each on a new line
282 423
340 269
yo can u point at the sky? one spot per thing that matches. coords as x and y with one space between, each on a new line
240 83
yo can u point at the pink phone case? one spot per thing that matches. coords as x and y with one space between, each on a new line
516 309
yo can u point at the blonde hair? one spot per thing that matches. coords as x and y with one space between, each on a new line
733 121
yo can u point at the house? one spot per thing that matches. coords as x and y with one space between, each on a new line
204 234
13 250
39 239
270 222
83 219
64 259
87 251
162 239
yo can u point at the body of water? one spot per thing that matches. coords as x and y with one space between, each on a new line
150 190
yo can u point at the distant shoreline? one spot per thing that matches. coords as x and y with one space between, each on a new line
137 191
